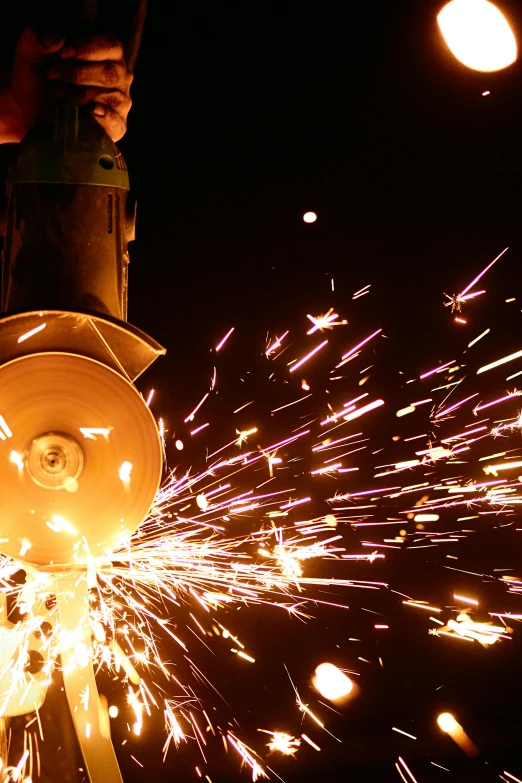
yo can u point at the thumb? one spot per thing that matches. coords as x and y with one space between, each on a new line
33 46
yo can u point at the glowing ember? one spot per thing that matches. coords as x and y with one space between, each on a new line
331 682
282 742
447 722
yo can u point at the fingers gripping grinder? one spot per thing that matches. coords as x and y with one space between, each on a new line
80 454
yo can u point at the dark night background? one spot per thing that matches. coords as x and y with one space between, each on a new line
245 116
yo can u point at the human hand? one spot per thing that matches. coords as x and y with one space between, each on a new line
93 72
89 71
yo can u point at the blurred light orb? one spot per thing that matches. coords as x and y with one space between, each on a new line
113 711
447 722
478 34
309 217
179 445
202 502
331 682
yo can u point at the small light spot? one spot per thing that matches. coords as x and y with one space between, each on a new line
113 711
17 460
179 445
59 525
486 92
309 217
125 471
71 484
405 411
202 502
331 682
447 722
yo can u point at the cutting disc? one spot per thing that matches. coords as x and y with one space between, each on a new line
80 459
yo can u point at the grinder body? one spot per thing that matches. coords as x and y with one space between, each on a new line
69 220
64 286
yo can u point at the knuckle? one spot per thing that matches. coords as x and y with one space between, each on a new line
109 44
114 99
110 74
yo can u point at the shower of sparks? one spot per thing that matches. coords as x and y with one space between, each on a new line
284 523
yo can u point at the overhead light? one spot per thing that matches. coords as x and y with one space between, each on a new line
478 34
309 217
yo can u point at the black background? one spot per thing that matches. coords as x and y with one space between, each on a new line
245 116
